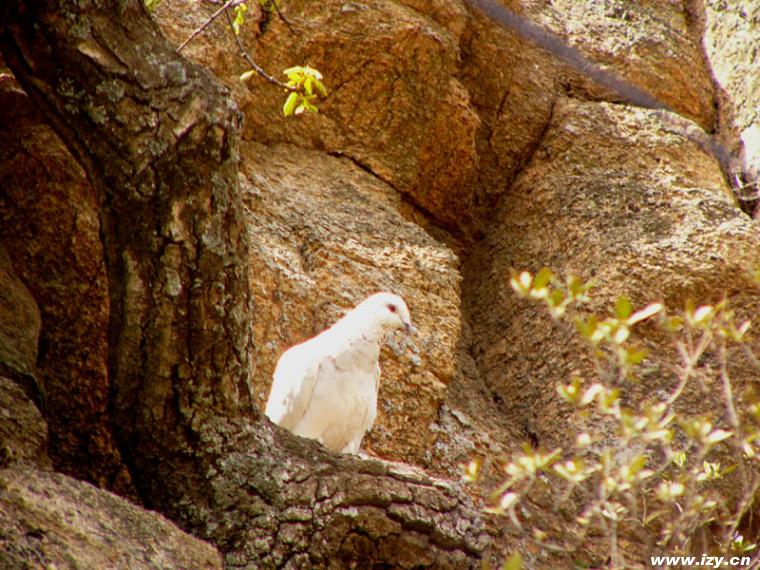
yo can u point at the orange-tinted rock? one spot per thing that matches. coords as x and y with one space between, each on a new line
49 224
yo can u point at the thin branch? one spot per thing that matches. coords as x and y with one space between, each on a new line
728 394
249 60
690 358
746 502
206 24
283 18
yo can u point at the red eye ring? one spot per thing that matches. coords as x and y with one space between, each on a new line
391 307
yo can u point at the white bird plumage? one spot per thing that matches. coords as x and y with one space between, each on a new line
326 388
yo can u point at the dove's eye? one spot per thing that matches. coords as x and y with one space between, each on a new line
391 308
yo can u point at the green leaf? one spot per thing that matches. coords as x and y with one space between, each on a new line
309 106
623 307
556 299
320 87
247 75
239 17
543 278
673 324
308 85
312 72
290 104
587 328
514 562
637 464
635 356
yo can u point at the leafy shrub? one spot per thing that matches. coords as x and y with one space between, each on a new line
668 481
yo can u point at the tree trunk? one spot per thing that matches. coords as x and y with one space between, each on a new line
158 137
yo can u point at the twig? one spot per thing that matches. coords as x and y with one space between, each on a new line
690 360
205 25
746 503
283 18
733 417
249 60
728 394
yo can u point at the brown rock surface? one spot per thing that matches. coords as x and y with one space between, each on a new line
445 106
53 521
652 45
23 431
609 195
327 235
19 324
395 107
49 225
730 29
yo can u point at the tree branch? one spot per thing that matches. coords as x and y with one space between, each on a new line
249 60
207 23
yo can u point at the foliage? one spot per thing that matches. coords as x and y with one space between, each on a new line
308 82
239 18
661 473
304 83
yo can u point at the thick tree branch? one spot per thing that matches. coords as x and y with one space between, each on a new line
158 138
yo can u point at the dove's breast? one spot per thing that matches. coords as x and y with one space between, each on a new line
344 403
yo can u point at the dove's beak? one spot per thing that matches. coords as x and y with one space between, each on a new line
409 328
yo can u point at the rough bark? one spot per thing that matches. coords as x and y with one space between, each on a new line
158 138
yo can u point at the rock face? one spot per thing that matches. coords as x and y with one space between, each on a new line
50 520
49 225
327 236
448 151
505 112
23 432
19 326
728 29
668 236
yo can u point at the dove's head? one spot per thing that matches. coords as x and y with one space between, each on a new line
388 311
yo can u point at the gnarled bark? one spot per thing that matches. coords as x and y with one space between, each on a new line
158 138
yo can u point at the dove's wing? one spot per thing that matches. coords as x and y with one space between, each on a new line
368 417
292 386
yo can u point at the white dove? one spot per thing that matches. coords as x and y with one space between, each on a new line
326 388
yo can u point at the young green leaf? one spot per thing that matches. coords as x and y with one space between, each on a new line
290 104
239 17
514 562
623 307
543 278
